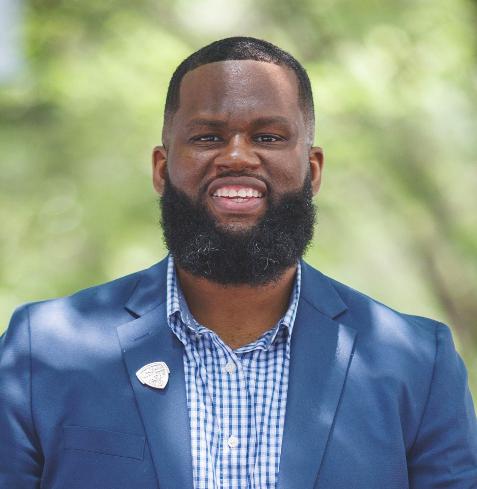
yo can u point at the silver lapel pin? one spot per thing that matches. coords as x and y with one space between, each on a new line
155 374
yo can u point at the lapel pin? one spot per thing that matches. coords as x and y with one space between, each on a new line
154 375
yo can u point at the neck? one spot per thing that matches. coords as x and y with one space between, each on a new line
239 314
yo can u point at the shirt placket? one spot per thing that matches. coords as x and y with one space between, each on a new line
236 424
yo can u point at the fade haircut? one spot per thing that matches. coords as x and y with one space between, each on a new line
242 48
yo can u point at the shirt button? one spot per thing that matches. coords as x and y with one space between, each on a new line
233 442
230 367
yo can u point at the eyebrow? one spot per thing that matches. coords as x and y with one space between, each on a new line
205 122
276 119
217 123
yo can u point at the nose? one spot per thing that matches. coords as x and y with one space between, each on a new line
237 155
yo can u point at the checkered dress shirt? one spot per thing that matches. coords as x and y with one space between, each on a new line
236 398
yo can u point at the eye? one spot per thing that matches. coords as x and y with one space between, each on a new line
268 138
206 138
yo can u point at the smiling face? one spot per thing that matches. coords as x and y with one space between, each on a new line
238 141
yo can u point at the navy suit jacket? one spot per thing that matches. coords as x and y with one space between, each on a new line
376 399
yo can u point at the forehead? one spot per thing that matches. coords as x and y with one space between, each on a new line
239 88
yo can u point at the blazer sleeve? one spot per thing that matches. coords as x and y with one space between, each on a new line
20 456
444 453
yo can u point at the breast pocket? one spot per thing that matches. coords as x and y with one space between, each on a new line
103 441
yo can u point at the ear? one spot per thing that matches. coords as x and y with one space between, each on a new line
159 168
316 158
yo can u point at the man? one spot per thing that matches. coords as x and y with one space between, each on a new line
232 363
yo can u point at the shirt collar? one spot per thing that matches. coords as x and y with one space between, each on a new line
177 307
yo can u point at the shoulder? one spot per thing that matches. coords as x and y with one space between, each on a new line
357 307
383 333
369 314
99 297
97 307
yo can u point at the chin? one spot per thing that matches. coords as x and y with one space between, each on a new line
239 222
236 225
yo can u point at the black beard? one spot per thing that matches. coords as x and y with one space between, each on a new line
255 256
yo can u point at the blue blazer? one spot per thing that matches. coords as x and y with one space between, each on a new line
376 399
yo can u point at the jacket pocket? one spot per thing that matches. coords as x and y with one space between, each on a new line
104 441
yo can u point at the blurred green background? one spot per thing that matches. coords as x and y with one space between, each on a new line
395 88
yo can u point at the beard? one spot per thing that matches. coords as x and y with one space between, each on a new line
258 255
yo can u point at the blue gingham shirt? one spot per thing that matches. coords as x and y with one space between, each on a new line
236 398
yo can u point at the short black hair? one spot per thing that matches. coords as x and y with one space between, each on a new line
242 48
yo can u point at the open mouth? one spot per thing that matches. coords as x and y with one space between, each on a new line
237 195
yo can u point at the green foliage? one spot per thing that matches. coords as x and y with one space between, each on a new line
395 88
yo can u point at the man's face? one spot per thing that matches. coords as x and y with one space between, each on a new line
237 174
238 141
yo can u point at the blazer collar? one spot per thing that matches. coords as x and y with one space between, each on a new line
316 288
150 290
319 292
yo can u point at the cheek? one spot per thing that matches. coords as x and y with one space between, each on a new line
186 172
288 173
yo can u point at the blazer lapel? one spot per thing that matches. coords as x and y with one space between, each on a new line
321 351
164 412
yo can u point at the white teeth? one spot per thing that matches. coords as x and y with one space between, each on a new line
232 193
